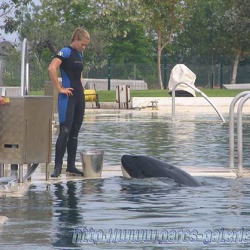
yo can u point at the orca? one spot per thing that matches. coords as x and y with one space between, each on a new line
140 166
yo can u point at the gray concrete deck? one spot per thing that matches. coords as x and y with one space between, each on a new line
165 103
38 177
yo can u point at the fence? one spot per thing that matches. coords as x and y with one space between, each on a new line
207 74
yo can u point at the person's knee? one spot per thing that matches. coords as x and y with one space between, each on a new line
64 131
74 131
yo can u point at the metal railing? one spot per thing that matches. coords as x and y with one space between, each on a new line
200 92
245 95
25 69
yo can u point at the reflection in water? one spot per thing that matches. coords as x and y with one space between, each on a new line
66 211
68 214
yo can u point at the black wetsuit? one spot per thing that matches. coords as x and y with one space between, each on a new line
70 108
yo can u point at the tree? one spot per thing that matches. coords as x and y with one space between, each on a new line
121 21
111 23
161 19
199 33
129 46
165 19
217 28
50 25
235 26
10 11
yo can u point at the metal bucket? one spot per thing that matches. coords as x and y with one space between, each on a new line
92 163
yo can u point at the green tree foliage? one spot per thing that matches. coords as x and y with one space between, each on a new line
50 25
165 19
12 68
117 16
113 26
130 53
125 33
134 31
216 28
10 11
235 28
130 44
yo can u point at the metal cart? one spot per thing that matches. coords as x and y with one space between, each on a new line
26 127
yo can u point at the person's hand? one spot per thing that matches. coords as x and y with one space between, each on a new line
66 91
2 101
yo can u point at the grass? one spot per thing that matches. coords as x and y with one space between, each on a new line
110 96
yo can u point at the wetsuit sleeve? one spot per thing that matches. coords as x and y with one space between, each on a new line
63 53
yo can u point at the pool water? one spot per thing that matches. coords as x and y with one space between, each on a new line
193 140
120 213
215 215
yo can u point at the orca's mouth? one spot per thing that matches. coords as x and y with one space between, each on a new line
125 173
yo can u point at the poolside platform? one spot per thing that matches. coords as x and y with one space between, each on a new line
165 103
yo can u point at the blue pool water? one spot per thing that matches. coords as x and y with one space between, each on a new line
120 213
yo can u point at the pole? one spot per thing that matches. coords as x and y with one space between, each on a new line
109 72
212 73
221 71
1 73
165 72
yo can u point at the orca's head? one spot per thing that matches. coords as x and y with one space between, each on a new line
128 165
134 166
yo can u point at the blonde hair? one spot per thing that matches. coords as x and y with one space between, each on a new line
80 34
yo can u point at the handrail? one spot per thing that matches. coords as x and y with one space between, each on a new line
245 95
24 69
197 90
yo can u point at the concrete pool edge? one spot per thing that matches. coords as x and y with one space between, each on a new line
19 189
166 102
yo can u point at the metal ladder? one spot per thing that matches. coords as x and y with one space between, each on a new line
245 95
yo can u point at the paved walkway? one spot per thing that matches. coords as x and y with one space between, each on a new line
166 103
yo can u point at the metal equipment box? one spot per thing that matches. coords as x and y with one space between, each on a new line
123 95
50 90
26 130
